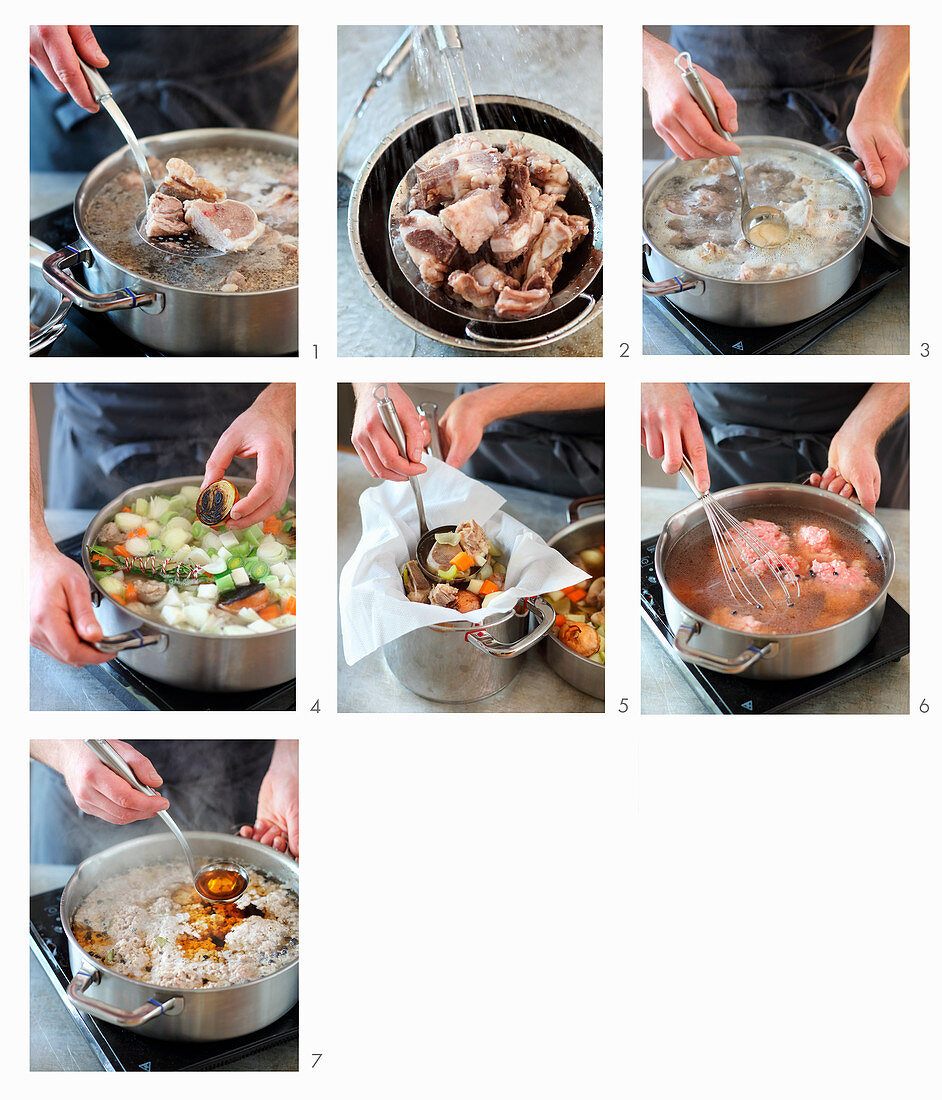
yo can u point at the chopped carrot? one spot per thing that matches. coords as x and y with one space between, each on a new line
272 525
487 587
270 612
560 620
129 591
291 606
100 559
123 551
576 594
125 509
140 533
463 560
120 599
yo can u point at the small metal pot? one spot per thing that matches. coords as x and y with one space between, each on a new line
185 658
160 1012
175 319
758 304
581 534
772 656
458 662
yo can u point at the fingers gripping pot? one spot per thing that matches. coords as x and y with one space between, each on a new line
160 1012
175 319
185 658
758 656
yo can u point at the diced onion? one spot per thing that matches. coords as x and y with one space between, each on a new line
127 521
138 548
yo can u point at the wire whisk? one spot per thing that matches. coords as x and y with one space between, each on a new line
743 556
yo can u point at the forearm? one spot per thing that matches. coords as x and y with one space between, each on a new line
651 48
50 753
889 70
879 409
39 536
284 757
278 399
505 400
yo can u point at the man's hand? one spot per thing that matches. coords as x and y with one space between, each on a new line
878 144
97 790
264 431
376 448
670 429
852 469
675 114
60 609
461 428
55 52
276 819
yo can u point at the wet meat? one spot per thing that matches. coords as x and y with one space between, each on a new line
430 244
521 303
474 218
454 178
110 535
513 238
233 283
817 538
280 210
165 217
443 595
417 584
467 601
150 591
227 226
473 540
183 183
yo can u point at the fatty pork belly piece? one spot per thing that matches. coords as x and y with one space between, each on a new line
430 244
227 226
183 183
514 237
481 285
475 218
165 217
455 177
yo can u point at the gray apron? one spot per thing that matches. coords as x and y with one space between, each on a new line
794 82
561 453
164 78
758 432
107 437
211 785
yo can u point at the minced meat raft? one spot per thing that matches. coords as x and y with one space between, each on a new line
150 924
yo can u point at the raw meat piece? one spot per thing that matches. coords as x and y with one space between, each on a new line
767 533
233 282
280 210
761 568
525 223
554 241
839 574
227 226
549 174
430 244
474 218
183 183
736 620
454 178
481 285
164 217
815 538
543 279
521 303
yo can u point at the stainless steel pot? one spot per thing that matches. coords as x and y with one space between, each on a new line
159 1012
185 658
458 662
755 304
772 656
581 534
175 319
373 192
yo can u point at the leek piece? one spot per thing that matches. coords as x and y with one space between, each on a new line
190 494
141 507
167 516
257 570
236 561
253 535
225 583
198 529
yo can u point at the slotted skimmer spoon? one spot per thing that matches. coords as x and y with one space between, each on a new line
219 881
186 245
763 226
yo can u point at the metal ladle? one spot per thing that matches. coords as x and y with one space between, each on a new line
224 870
186 245
763 226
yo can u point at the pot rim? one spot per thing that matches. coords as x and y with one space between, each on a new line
150 987
353 222
162 627
889 566
199 134
746 142
570 528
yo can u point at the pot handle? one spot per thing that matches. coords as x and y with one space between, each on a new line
576 507
55 272
545 617
730 665
130 639
674 285
123 1017
533 341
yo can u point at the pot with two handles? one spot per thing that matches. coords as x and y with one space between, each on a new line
758 656
160 1012
185 658
758 304
175 319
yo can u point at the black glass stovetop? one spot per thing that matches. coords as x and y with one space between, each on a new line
86 333
879 267
120 1049
726 694
136 692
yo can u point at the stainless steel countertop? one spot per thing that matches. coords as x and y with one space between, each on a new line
370 686
565 69
880 328
664 689
55 1043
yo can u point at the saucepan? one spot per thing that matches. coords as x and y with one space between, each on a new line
699 641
